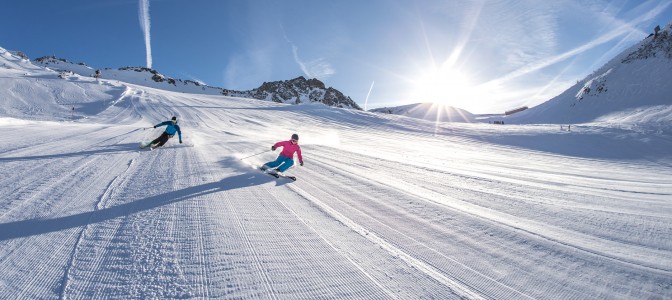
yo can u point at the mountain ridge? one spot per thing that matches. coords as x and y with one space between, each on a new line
293 91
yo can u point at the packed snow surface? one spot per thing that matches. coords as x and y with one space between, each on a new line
386 207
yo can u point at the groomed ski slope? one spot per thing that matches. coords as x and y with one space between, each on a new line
385 207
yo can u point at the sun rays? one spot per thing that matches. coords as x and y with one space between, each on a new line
442 85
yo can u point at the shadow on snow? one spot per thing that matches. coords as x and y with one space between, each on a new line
118 148
26 228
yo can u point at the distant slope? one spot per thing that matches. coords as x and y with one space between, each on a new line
33 92
294 91
135 75
633 87
429 111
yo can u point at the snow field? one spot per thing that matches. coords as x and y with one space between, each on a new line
384 208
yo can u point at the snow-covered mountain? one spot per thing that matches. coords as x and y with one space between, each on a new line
136 75
294 91
35 92
429 111
633 88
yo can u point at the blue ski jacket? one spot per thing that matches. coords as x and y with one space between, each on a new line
171 128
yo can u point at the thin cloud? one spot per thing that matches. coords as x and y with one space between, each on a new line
243 70
318 68
143 15
500 28
516 23
625 29
304 68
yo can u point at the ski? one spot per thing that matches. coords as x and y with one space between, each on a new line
275 174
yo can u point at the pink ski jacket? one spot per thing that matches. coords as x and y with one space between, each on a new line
288 149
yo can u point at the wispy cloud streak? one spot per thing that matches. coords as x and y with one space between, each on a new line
295 51
625 29
368 94
143 15
318 68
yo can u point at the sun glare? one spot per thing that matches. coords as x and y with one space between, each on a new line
447 86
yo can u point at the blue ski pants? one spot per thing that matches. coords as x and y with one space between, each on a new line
282 163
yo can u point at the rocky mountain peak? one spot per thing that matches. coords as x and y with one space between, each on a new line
298 90
657 43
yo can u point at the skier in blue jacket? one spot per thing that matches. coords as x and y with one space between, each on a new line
171 128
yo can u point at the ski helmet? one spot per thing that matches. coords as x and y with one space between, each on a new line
295 136
174 119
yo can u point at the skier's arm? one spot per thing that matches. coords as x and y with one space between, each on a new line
161 124
179 133
298 153
276 145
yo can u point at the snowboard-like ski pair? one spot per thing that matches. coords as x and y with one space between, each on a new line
275 173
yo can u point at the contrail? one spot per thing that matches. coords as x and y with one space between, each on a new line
625 29
303 66
368 94
143 15
318 68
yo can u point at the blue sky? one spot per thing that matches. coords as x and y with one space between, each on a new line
483 56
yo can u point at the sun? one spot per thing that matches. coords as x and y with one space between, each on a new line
443 86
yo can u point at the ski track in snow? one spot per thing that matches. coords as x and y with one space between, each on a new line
381 210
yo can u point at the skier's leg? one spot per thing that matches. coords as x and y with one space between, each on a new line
286 164
155 141
275 163
163 139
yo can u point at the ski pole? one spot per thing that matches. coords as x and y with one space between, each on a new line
253 155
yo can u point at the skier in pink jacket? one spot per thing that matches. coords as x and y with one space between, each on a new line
286 158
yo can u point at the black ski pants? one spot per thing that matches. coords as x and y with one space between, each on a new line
162 139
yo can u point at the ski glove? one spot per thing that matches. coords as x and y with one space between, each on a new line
273 148
180 141
301 163
155 126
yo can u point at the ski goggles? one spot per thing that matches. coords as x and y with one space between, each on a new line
295 141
